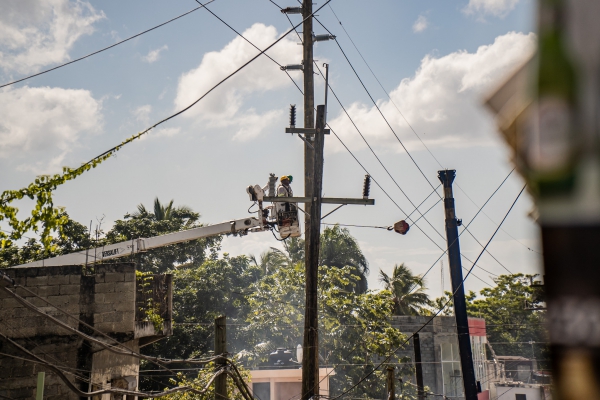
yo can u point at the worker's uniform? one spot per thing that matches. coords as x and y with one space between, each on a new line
286 191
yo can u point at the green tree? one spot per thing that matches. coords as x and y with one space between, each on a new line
74 237
408 291
354 327
511 309
164 219
338 249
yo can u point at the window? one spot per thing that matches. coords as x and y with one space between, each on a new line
262 390
451 371
520 397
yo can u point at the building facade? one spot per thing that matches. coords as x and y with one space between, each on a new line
109 298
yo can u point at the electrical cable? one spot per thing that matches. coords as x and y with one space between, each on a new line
470 222
116 148
248 41
72 387
385 91
379 160
490 254
408 123
440 310
377 107
105 48
343 108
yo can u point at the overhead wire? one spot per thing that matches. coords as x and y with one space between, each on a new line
409 125
465 226
76 390
377 107
105 48
440 310
113 149
384 90
408 198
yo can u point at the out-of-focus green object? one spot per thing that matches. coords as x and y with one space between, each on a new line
552 139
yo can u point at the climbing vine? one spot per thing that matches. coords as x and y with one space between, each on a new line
45 217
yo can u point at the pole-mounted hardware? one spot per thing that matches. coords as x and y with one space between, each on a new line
292 10
366 186
292 115
292 67
324 37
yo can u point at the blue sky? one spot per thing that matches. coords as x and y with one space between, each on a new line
437 59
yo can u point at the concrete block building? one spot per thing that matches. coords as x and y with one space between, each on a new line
108 297
440 359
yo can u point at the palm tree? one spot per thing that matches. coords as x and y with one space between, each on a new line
340 249
166 212
408 291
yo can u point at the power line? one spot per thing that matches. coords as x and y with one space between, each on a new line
55 181
385 91
440 310
248 41
105 48
408 198
73 388
377 107
380 112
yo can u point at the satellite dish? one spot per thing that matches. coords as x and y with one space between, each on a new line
299 353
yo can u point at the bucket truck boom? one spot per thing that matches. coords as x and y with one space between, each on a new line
134 246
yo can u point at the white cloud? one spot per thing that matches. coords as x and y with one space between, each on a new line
142 113
36 33
224 107
420 24
154 55
442 101
497 8
61 117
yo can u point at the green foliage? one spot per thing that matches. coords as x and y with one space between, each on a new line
354 327
402 285
510 325
164 219
45 217
340 249
151 309
201 381
75 237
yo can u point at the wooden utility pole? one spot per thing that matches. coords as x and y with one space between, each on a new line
390 384
309 106
310 362
418 367
220 352
458 290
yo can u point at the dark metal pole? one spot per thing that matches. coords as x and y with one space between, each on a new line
310 362
460 305
391 387
418 367
220 350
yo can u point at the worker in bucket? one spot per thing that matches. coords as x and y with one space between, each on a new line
285 190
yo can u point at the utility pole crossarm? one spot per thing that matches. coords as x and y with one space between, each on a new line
306 131
325 200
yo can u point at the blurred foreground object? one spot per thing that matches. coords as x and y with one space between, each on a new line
548 112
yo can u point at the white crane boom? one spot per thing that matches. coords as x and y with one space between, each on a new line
135 246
